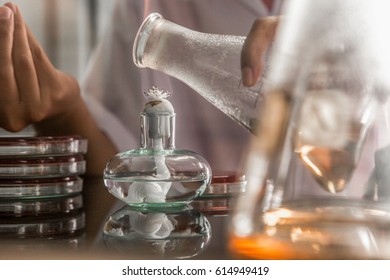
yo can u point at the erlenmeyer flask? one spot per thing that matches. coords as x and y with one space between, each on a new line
208 63
316 185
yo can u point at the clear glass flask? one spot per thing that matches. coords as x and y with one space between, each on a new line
316 181
208 63
157 176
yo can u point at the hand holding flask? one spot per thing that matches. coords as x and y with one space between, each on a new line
208 63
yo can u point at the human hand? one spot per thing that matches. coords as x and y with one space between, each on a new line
31 88
255 46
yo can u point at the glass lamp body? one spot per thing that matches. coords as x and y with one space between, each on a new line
134 177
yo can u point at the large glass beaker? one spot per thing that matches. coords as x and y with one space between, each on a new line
317 175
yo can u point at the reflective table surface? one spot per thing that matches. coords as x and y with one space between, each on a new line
95 225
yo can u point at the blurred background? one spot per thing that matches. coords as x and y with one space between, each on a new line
68 30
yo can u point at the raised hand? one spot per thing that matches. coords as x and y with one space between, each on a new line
31 88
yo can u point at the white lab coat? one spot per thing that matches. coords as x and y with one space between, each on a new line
113 86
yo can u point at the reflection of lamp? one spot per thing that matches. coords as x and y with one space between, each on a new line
172 235
149 225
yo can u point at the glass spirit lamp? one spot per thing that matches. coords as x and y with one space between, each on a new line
157 176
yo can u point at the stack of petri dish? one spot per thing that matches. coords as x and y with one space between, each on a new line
41 205
41 167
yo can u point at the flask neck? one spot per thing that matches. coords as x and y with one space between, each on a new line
155 38
157 131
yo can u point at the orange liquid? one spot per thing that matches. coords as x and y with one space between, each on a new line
331 168
264 247
321 234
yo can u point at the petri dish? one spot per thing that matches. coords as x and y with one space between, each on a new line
40 188
41 208
219 198
225 183
42 167
216 206
39 146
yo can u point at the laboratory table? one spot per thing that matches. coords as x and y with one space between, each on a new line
95 225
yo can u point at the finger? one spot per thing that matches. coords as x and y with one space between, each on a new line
46 73
57 89
10 110
7 80
24 69
255 46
